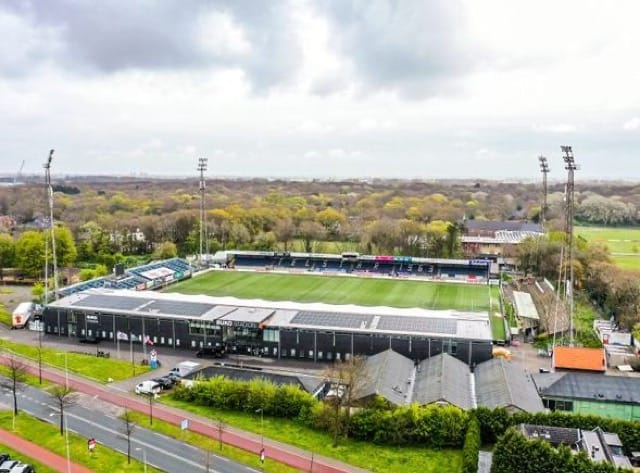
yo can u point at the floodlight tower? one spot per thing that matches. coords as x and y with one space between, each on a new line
47 172
202 167
544 168
571 167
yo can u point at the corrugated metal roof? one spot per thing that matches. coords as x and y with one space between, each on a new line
443 378
500 383
386 374
577 358
594 386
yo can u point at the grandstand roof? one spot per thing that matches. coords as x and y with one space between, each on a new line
501 237
495 226
525 306
352 318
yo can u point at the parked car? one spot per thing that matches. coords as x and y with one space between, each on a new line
147 387
23 468
6 466
90 340
166 383
4 457
175 377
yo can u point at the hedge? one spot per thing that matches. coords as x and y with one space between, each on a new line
516 454
432 426
471 447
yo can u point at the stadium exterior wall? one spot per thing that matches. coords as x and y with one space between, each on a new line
310 344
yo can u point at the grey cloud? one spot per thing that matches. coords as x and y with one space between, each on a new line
416 48
119 35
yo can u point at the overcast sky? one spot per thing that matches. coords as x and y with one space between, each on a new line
425 89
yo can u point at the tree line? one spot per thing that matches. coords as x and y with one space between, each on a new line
615 292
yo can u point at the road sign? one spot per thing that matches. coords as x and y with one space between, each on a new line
184 424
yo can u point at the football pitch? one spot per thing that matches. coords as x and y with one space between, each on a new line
341 290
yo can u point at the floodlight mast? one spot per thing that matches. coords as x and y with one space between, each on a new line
544 168
47 170
570 166
202 167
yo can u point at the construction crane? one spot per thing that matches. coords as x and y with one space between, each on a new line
18 175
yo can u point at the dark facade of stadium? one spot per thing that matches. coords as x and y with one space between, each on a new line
253 338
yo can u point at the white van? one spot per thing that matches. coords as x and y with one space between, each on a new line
148 387
22 314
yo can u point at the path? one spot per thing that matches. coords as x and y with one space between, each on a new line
278 451
43 455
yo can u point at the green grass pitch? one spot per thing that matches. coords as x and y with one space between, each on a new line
341 290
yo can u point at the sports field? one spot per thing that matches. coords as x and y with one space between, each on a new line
623 243
341 290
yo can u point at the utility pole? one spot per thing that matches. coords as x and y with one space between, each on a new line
571 167
47 168
544 168
202 167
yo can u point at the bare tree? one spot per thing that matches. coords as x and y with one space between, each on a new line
16 375
347 379
128 425
220 425
65 397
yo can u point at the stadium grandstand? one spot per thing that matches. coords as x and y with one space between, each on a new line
470 270
141 278
277 329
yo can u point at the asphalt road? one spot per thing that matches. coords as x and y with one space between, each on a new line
164 453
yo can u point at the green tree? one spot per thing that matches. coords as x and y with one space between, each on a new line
66 252
7 252
165 250
30 253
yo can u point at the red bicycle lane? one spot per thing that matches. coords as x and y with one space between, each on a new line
289 455
35 451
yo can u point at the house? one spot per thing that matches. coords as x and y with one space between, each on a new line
443 379
578 358
388 375
616 397
500 383
599 445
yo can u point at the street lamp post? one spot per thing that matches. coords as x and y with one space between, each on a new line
66 425
144 457
261 411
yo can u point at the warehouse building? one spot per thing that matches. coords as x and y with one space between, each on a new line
319 332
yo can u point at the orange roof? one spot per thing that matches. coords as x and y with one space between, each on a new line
575 358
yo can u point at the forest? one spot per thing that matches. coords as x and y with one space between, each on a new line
101 221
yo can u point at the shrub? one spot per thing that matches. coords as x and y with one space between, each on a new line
471 447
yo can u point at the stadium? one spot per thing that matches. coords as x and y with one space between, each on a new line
286 305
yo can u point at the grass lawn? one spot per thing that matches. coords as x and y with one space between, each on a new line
497 327
16 455
207 443
619 240
89 366
628 262
377 458
48 436
5 316
338 290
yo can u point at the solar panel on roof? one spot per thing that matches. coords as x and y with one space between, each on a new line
109 302
188 309
332 319
417 324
